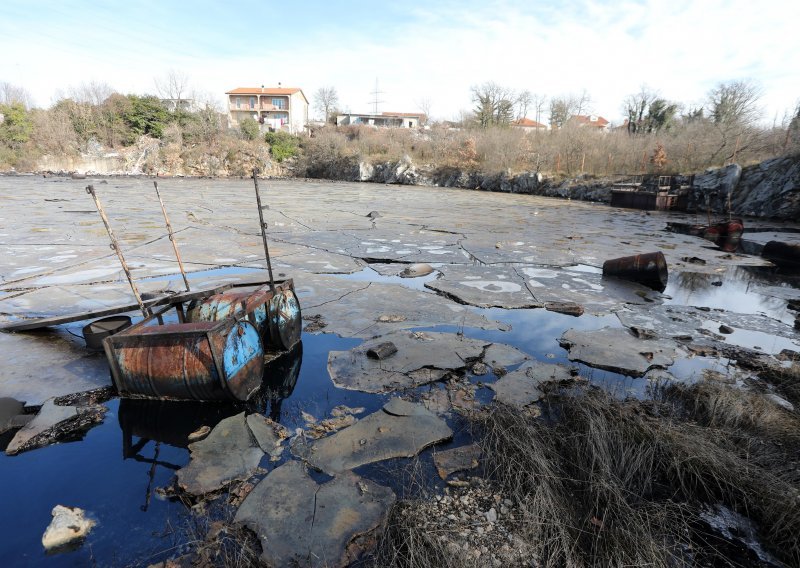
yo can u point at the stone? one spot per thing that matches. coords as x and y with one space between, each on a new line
462 458
520 388
567 308
416 270
199 434
400 429
52 423
69 526
229 453
305 524
501 355
382 350
616 350
725 329
422 358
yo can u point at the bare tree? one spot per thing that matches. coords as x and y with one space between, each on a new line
93 93
10 94
635 108
524 100
734 103
583 102
174 86
326 99
424 105
538 105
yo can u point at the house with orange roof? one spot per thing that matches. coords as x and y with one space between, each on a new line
528 125
274 108
590 121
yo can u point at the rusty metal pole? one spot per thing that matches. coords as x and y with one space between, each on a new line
115 246
172 237
263 230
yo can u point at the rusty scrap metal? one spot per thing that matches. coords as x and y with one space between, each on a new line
115 246
648 269
172 237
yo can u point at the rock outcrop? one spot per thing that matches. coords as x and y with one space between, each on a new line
769 189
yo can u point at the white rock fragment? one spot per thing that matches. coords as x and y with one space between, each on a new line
69 524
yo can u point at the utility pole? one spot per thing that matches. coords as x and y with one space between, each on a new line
375 100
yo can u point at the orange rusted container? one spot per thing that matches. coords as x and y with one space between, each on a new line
649 269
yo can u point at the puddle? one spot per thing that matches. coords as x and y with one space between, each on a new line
369 274
743 289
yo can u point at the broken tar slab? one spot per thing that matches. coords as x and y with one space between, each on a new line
305 524
521 387
399 429
422 357
617 350
231 451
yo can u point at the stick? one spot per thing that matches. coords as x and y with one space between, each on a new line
172 237
263 230
115 247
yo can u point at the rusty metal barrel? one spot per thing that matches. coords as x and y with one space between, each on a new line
232 303
219 360
277 316
783 254
649 269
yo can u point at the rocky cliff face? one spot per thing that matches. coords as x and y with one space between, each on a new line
769 189
405 172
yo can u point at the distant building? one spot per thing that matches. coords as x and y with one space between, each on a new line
276 108
186 105
590 121
384 119
528 125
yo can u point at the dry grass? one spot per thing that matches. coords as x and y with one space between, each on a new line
611 483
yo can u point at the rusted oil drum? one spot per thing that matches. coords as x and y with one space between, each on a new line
230 304
648 269
193 361
783 254
285 320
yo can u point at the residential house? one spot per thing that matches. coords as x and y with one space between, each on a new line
275 108
590 121
528 125
384 119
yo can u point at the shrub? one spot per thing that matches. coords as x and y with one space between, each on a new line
249 128
282 145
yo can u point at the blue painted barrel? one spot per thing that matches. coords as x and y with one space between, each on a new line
214 360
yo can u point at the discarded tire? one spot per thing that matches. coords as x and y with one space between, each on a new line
648 269
782 254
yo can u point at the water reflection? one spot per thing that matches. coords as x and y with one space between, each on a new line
746 289
171 422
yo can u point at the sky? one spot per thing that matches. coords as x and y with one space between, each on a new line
417 51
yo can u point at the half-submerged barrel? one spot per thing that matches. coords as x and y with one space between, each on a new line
277 316
648 269
782 254
212 360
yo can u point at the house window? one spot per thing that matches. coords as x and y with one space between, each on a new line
252 102
238 102
279 103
